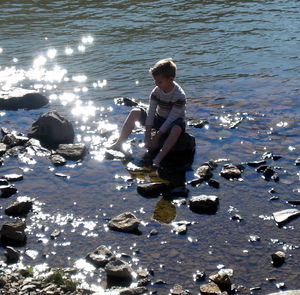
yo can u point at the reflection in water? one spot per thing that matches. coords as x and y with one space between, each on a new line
164 211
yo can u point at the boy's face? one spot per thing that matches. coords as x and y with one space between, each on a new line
163 83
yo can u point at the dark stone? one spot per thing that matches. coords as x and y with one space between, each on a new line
231 171
126 222
197 123
204 204
199 275
19 208
256 163
14 231
297 162
151 190
118 270
12 255
72 152
213 183
100 257
52 129
254 238
7 191
22 99
294 202
129 102
278 258
222 279
237 217
204 172
58 160
196 182
269 155
3 181
15 151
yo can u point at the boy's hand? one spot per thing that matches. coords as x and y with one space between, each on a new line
155 141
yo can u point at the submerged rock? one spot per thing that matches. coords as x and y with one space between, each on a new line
100 256
113 154
151 190
19 208
204 204
231 171
297 162
14 231
118 270
278 258
282 217
126 222
18 98
52 129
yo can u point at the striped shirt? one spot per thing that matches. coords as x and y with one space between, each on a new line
170 106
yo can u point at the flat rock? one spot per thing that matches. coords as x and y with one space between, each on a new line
58 160
210 289
7 190
126 222
12 255
134 291
100 256
72 152
256 163
204 204
151 190
14 231
281 217
13 177
118 270
231 171
19 208
56 233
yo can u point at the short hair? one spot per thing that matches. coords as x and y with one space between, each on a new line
165 67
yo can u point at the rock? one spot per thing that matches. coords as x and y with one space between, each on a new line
118 270
57 160
178 228
278 258
129 102
3 182
73 152
14 231
297 162
281 285
7 191
56 233
134 291
290 292
13 177
204 204
151 190
270 173
153 232
19 208
269 155
15 151
3 148
126 222
237 217
210 289
294 202
100 257
52 129
18 98
282 217
204 172
142 273
177 290
199 276
222 279
196 182
114 155
231 171
254 238
256 163
12 255
213 183
197 123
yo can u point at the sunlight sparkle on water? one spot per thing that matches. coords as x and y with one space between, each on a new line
69 51
87 40
51 53
79 78
39 61
81 48
1 50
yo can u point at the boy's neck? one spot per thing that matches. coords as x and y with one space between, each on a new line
170 88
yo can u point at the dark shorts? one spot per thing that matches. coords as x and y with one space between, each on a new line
158 121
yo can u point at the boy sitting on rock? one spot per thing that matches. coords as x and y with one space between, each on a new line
166 112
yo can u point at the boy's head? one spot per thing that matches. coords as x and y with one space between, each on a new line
165 68
164 72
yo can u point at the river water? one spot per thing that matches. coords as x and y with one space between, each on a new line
237 60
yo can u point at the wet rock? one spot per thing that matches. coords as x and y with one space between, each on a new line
114 155
134 291
179 228
269 155
118 270
19 98
199 275
282 217
237 217
272 191
14 231
281 285
253 238
52 129
151 190
153 232
196 182
3 148
278 258
16 151
12 255
176 192
210 289
3 182
73 152
58 160
177 290
297 162
7 191
143 282
294 202
223 279
126 222
100 257
204 172
13 177
231 171
56 233
142 273
256 163
129 102
197 123
204 204
273 198
19 208
213 183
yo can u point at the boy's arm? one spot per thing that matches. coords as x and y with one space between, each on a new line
150 118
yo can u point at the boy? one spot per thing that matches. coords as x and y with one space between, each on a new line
166 113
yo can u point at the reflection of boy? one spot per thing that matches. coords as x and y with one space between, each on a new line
166 113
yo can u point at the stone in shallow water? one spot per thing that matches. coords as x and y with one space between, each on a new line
297 162
14 231
204 204
12 255
126 222
256 163
278 258
100 256
197 123
151 190
134 291
19 208
58 160
231 171
204 172
222 279
7 190
282 217
118 270
210 289
73 152
13 177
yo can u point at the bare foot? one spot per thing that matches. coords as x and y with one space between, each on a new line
116 146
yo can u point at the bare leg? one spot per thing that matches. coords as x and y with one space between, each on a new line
168 144
127 128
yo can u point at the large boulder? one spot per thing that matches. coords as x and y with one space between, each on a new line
52 129
13 231
19 98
